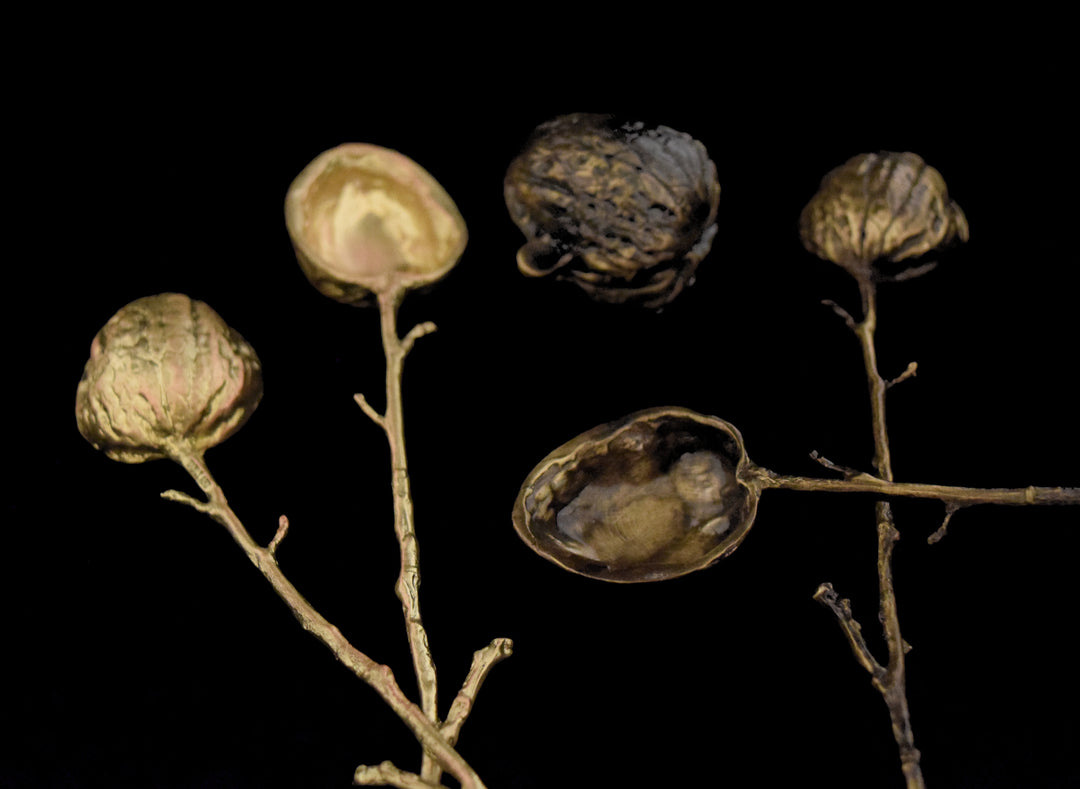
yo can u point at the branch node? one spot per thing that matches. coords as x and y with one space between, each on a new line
373 415
282 530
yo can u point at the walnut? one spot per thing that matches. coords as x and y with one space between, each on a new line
624 210
167 377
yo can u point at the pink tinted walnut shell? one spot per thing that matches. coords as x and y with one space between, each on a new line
167 377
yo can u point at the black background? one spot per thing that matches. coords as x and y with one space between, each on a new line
143 650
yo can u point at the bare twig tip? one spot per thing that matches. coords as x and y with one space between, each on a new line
844 471
942 530
282 530
183 498
415 333
910 372
366 407
844 314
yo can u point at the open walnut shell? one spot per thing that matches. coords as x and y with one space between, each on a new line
623 210
652 496
366 220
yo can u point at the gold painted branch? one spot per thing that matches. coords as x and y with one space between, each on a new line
948 494
378 676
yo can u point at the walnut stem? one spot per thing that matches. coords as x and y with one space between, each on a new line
408 583
379 677
954 496
890 679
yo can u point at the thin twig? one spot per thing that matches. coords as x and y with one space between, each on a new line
408 583
374 415
483 661
415 333
841 607
844 471
950 510
910 372
183 498
909 273
282 530
386 774
844 314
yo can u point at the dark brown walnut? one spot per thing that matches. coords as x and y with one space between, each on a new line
651 496
624 210
167 377
880 207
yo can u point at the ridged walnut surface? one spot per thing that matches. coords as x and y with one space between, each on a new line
880 206
166 377
625 211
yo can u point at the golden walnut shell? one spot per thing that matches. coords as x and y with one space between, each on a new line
880 206
366 220
625 211
166 377
651 496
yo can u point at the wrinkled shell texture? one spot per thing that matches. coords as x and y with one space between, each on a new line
367 220
880 206
626 212
166 375
652 496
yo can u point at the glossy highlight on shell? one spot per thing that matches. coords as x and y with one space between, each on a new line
166 377
366 220
625 211
880 206
651 496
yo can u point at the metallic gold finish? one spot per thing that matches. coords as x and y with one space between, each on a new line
652 496
366 221
880 206
625 211
167 377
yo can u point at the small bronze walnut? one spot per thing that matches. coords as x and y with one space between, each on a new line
880 207
624 210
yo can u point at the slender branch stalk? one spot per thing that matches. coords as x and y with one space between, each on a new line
889 680
408 583
378 676
949 494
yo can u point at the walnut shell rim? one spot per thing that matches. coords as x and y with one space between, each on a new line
366 220
543 483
